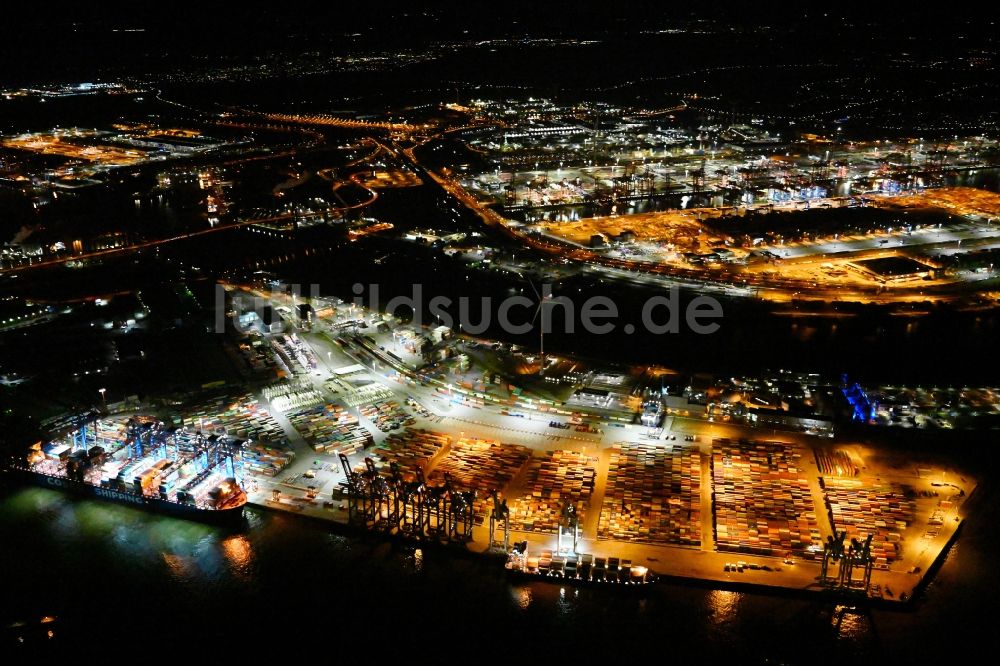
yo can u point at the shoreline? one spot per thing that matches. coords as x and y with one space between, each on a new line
813 590
672 565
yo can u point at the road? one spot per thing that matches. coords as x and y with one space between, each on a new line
138 247
937 237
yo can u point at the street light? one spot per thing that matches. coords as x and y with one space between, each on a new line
104 399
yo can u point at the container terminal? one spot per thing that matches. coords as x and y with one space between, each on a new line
561 492
484 448
559 468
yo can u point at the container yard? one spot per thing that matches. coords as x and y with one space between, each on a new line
266 460
266 450
558 479
240 415
414 451
653 495
681 509
330 429
481 465
865 506
387 415
763 504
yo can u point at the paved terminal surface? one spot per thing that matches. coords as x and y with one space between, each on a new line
308 486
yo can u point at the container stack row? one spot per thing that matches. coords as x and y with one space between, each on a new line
266 459
387 415
835 463
411 450
330 429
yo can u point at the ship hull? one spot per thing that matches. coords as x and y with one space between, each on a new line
230 516
526 576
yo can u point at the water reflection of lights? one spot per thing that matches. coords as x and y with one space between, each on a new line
522 597
180 567
849 623
418 559
567 603
724 605
238 551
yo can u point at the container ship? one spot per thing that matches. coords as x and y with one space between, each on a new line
575 568
142 463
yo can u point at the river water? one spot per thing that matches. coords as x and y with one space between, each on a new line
121 582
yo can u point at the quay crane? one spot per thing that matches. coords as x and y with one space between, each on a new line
857 554
393 504
499 517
